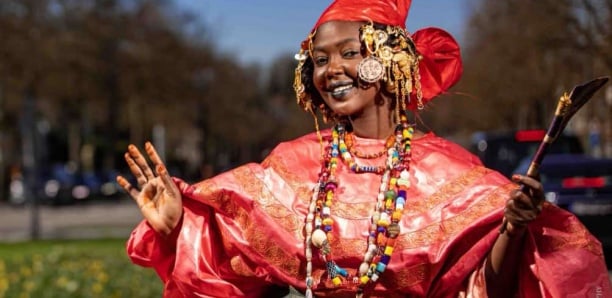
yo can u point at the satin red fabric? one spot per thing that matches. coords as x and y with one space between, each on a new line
389 12
241 231
440 67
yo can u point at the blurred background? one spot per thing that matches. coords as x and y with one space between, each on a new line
210 84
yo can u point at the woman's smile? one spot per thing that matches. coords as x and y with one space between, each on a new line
341 91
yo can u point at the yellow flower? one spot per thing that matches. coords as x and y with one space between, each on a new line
102 277
97 288
61 282
25 271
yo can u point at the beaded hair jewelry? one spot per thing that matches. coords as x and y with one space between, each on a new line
384 227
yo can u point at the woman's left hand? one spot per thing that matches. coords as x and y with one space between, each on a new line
523 207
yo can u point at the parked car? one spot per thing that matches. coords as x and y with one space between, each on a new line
503 151
577 182
62 184
572 180
582 185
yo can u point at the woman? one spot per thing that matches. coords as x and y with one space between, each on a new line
371 207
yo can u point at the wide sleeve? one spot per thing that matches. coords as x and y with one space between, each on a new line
231 242
559 257
562 259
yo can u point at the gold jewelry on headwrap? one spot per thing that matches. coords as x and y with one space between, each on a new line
391 57
302 97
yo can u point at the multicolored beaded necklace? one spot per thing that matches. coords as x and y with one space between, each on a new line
384 227
350 140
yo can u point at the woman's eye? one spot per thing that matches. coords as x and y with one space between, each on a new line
320 60
350 54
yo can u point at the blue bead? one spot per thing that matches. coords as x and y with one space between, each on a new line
327 228
380 267
400 201
341 271
381 229
401 193
385 259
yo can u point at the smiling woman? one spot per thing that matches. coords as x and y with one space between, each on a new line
371 207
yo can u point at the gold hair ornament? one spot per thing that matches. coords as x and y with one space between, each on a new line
392 57
303 98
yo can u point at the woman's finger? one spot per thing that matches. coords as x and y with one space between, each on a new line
135 169
162 172
150 149
133 192
519 216
536 190
141 161
522 200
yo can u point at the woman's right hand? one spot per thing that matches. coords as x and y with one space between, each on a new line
157 195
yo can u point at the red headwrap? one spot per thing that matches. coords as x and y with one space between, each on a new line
441 65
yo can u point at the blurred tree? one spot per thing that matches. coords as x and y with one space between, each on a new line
106 72
289 120
520 55
99 68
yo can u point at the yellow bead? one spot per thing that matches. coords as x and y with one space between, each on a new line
328 221
397 215
364 279
383 223
392 181
388 250
337 281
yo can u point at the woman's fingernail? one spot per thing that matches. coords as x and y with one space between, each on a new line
516 177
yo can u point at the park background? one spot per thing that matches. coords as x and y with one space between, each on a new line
210 84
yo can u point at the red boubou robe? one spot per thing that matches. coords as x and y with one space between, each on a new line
242 231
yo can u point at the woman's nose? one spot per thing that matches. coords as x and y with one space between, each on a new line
335 67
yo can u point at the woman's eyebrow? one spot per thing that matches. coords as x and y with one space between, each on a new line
339 43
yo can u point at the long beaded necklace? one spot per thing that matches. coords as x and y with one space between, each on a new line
384 227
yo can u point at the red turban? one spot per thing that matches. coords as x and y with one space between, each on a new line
441 65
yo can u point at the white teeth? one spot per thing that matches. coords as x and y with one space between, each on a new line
342 88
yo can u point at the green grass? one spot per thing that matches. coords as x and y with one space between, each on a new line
91 268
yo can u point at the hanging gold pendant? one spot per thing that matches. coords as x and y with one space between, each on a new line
370 69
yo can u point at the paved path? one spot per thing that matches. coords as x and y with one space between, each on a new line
92 220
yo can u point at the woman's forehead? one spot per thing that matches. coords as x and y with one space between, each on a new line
336 30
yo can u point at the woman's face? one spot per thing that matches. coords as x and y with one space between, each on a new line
336 55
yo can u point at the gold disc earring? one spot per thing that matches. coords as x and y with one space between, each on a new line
370 69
